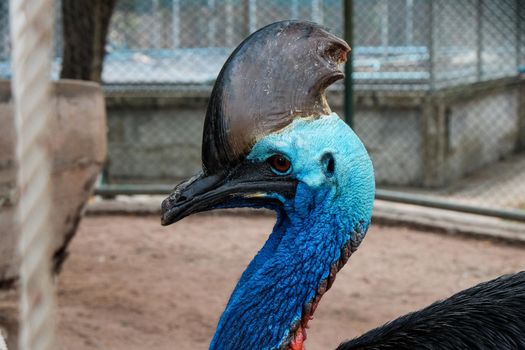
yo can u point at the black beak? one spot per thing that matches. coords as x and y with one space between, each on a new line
249 184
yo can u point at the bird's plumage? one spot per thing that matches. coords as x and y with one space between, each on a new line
490 315
311 240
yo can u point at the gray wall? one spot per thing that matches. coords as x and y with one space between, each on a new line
394 140
482 130
414 138
151 144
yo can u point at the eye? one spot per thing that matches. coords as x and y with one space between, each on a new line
280 164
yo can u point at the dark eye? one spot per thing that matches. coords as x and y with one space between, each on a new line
280 164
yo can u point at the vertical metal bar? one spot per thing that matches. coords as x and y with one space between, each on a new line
175 23
212 23
384 28
518 36
409 28
349 83
479 44
4 34
157 24
295 9
317 11
252 16
431 51
228 8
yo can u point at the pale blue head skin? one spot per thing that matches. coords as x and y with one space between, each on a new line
328 209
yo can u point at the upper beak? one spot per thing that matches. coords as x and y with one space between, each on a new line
245 186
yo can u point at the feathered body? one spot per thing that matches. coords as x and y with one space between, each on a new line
490 315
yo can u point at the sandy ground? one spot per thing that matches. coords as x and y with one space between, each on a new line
132 284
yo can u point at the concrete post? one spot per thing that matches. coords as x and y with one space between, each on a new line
435 139
521 118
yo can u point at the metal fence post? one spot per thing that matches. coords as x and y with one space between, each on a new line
431 51
519 68
157 25
175 23
518 35
228 8
479 49
349 86
317 11
409 30
252 16
212 23
295 9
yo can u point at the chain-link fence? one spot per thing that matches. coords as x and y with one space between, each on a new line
448 110
185 43
438 87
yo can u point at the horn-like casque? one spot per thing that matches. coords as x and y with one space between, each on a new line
277 74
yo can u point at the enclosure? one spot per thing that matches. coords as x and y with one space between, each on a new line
435 89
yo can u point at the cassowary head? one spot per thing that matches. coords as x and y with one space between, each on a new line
270 140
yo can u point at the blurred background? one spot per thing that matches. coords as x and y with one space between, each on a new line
436 88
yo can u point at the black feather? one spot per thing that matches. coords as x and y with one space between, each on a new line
490 315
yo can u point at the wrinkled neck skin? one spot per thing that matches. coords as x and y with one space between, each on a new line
266 308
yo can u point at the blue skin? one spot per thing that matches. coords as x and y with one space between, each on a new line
311 228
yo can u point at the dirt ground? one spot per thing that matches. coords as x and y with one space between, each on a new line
132 284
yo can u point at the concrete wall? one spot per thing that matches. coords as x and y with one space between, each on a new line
394 140
158 141
414 138
154 144
481 125
482 130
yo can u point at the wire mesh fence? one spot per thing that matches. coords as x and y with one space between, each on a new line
439 88
417 43
185 43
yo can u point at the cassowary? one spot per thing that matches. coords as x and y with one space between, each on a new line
271 140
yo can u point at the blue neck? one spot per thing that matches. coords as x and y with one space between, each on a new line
285 274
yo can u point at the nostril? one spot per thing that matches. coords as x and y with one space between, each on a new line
331 166
177 197
328 163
